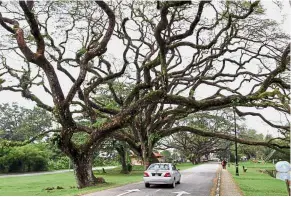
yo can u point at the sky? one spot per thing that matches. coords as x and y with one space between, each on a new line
272 11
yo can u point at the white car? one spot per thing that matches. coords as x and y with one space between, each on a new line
162 173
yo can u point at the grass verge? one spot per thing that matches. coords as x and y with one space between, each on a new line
35 185
255 183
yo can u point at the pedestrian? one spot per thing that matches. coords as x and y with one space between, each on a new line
223 163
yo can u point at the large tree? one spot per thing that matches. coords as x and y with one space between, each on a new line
170 54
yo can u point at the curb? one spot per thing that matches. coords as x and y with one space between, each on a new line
215 189
218 184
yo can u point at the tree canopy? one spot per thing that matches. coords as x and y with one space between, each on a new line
19 124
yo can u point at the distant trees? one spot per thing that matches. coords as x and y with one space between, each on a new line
18 123
167 156
193 146
251 151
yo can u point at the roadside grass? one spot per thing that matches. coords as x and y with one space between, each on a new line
255 183
36 185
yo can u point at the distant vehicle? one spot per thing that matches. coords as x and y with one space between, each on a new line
162 173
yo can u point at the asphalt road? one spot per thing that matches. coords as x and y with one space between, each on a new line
49 172
196 181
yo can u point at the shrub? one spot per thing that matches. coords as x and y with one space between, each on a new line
59 163
29 158
101 161
129 167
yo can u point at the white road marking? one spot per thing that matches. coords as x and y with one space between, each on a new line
154 192
181 193
129 191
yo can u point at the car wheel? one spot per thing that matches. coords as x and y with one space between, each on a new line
173 185
147 185
179 181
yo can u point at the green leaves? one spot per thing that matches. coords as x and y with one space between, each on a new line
81 51
31 157
30 37
246 4
1 81
19 124
112 105
154 137
99 122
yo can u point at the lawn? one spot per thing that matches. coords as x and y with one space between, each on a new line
256 183
35 185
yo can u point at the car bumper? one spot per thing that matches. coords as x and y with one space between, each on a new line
164 180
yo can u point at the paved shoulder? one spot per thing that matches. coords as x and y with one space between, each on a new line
228 185
195 181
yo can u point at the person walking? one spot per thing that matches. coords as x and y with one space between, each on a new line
223 163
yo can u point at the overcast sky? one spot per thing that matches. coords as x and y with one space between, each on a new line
280 15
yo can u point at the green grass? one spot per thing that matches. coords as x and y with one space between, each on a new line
35 185
256 183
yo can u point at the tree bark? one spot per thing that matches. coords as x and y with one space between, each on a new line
124 169
145 158
193 161
83 170
122 154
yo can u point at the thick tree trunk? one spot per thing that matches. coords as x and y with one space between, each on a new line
122 154
82 160
124 169
83 171
193 161
145 159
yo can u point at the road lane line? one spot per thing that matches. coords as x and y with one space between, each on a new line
181 193
129 191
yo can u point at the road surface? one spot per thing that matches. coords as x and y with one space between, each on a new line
196 181
50 172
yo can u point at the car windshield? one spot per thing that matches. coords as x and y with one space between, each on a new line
159 167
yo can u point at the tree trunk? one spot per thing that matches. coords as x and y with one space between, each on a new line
145 158
122 154
198 159
124 169
83 171
193 161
